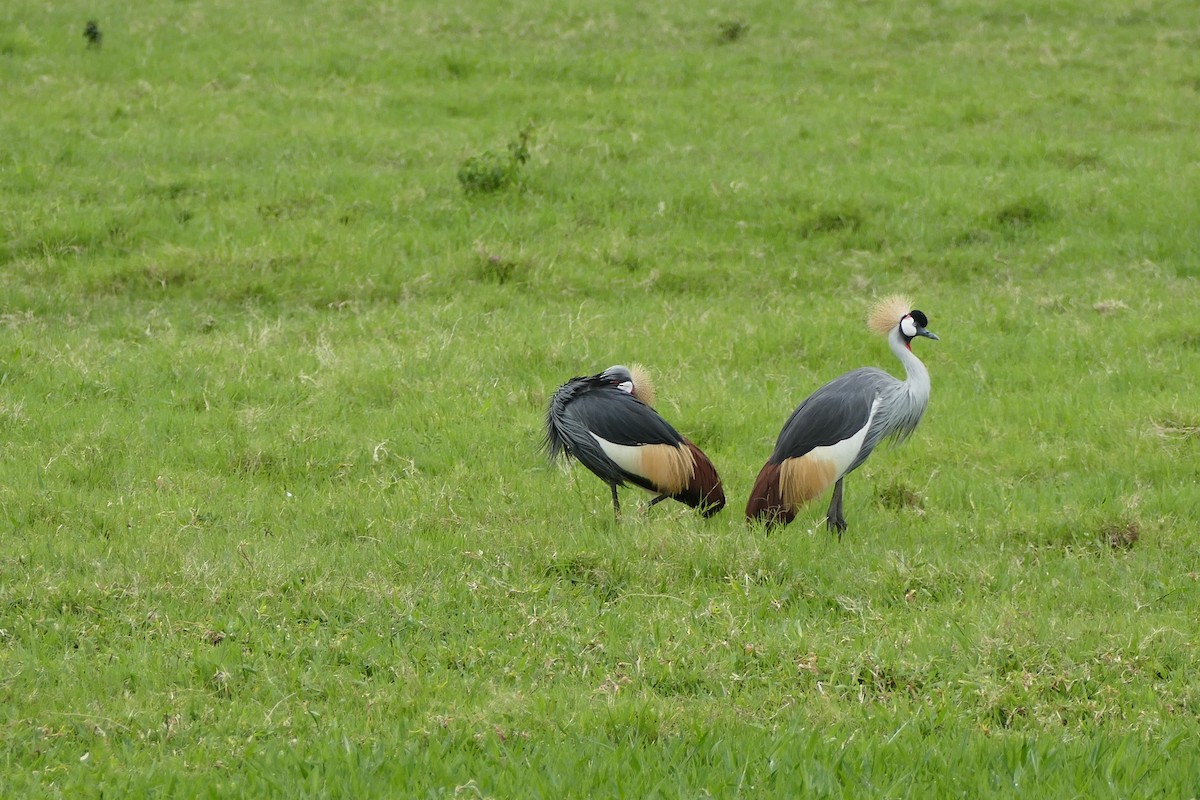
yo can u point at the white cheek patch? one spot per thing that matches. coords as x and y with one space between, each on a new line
626 386
908 327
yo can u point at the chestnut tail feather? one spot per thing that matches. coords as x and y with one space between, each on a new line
766 501
704 490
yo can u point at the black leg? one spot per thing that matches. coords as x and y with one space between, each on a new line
834 519
658 500
616 502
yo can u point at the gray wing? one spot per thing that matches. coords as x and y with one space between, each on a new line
836 411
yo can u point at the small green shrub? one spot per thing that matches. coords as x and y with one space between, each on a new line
491 171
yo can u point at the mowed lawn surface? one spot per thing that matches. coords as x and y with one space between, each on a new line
285 289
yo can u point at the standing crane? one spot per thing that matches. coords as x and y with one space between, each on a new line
608 423
833 431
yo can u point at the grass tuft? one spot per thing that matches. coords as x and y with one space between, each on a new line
1176 428
832 220
496 268
1024 213
1075 159
897 496
731 30
587 571
1121 536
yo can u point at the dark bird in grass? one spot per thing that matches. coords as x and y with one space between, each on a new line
92 33
838 426
607 422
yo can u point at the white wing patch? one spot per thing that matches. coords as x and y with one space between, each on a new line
843 453
668 468
627 456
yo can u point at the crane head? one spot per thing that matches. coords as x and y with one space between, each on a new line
894 311
634 380
913 325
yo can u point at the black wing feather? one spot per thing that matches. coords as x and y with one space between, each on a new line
584 406
621 418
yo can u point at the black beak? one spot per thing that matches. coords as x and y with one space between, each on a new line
927 334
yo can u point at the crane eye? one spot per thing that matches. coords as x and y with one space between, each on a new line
908 327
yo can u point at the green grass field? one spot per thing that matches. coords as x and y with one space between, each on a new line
281 315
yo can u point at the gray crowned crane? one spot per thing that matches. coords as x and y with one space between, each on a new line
833 431
607 422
